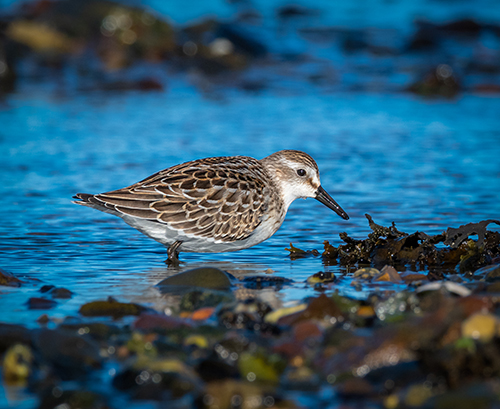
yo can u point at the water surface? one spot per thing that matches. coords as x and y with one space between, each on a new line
426 165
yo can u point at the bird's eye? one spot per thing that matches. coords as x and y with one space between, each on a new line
301 172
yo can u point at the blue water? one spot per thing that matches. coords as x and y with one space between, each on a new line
426 164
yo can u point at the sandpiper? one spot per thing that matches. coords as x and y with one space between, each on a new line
216 204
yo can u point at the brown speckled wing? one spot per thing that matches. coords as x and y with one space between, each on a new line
223 198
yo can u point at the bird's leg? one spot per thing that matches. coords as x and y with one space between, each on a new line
173 254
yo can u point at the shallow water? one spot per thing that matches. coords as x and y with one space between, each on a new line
426 165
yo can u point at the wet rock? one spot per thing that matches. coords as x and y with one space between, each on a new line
9 280
465 27
388 273
158 322
47 288
476 303
488 273
366 273
261 367
38 303
201 314
304 330
157 379
426 37
441 81
8 74
197 299
242 40
350 354
69 354
413 278
248 315
56 292
204 277
214 48
228 394
355 388
40 37
197 341
82 399
17 364
83 30
353 41
110 308
417 395
260 282
11 334
486 88
478 395
482 327
144 84
321 277
320 308
274 316
43 319
293 11
213 369
96 330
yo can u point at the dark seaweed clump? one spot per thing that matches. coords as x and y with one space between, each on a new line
388 245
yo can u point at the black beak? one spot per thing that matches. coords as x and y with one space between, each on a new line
328 201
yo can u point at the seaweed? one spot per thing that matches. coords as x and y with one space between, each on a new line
390 246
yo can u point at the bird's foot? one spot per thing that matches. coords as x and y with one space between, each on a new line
173 254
